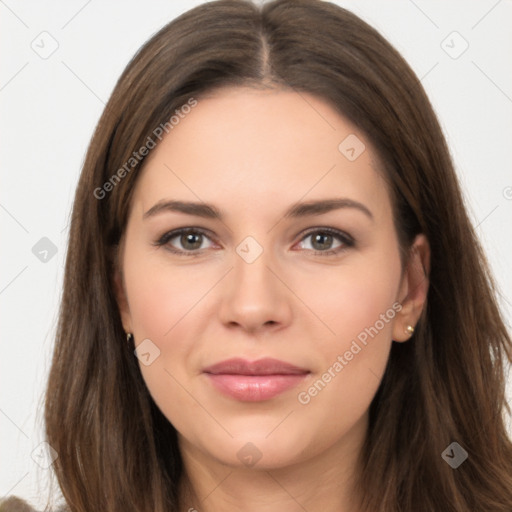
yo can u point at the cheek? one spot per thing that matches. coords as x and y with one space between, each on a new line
356 303
159 296
351 298
162 302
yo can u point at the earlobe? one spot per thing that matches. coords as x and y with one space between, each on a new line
414 289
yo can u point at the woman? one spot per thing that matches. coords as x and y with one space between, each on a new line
273 297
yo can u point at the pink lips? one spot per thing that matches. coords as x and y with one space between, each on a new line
254 381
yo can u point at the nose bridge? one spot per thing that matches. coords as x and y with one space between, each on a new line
254 296
251 266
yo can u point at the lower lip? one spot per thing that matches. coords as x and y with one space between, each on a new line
254 388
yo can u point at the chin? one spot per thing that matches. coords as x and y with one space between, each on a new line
258 449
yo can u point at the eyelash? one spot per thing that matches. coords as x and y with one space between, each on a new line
344 238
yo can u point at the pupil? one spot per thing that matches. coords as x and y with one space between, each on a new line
189 238
322 238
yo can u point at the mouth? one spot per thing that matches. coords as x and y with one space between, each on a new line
254 381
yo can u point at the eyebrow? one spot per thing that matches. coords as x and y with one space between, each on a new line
209 211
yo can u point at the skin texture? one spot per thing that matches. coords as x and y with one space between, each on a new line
253 154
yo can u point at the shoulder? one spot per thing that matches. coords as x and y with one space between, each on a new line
15 504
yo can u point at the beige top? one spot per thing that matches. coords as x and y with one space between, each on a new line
15 504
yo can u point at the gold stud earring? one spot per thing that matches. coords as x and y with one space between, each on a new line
129 337
409 330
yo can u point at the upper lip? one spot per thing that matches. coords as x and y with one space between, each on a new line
265 366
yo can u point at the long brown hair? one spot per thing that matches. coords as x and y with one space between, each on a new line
117 452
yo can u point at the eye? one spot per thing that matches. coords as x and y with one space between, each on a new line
190 239
322 240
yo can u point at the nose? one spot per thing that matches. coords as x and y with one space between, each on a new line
255 296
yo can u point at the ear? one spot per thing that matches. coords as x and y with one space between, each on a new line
120 289
413 288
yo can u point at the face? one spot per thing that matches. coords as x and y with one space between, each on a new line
256 276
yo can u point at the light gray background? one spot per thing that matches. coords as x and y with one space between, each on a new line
49 107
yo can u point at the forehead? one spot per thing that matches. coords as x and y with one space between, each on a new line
244 146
